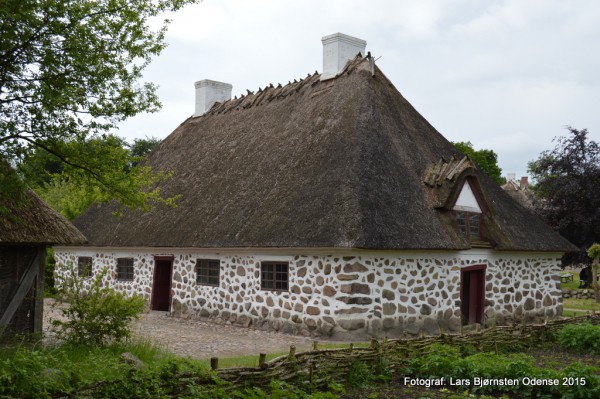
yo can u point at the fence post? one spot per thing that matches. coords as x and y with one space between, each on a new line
262 360
292 352
214 363
315 345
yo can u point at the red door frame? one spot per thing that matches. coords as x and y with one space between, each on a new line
158 259
473 299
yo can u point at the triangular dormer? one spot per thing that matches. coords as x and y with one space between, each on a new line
469 212
457 193
466 200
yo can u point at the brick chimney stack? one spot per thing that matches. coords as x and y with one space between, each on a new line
524 183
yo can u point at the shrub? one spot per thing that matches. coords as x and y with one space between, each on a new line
96 315
441 361
359 374
25 373
583 337
579 381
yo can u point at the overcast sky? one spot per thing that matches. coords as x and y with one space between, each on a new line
506 75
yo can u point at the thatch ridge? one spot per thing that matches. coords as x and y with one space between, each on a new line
335 163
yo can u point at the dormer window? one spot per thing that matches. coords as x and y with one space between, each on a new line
469 224
468 213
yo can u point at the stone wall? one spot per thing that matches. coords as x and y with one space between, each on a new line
352 295
578 293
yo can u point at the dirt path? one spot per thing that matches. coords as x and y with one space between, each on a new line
200 339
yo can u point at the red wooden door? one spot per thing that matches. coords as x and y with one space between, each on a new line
161 290
472 294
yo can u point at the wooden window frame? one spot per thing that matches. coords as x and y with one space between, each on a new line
204 267
81 268
127 274
275 276
466 216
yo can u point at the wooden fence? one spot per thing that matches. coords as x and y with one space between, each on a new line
319 367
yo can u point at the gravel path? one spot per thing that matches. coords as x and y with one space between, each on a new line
200 339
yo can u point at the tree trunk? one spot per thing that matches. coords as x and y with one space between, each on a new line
595 279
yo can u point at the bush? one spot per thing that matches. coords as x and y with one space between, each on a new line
441 361
96 315
583 337
24 373
49 287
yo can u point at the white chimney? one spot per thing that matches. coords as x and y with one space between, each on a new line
338 49
511 176
208 92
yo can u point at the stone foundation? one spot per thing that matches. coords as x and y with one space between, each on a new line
353 296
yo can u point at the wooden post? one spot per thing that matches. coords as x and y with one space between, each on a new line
292 352
262 358
477 327
38 313
351 347
214 363
316 345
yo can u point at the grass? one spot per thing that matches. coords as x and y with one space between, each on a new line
252 361
92 363
571 285
239 361
581 304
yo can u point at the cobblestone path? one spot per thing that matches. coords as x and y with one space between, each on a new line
201 339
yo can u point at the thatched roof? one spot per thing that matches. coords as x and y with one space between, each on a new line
523 195
335 163
29 220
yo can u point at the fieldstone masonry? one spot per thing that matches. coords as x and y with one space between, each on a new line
354 296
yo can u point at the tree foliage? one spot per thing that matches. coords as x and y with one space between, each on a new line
568 178
70 71
69 189
142 147
486 160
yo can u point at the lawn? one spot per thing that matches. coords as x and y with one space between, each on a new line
571 285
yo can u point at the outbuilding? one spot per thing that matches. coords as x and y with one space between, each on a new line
27 227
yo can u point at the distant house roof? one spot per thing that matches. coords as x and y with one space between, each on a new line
344 162
521 192
31 221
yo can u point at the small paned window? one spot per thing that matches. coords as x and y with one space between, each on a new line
469 224
208 271
125 268
84 266
274 276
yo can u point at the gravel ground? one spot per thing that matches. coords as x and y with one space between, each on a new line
199 339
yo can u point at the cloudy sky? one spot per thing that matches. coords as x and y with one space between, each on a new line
506 75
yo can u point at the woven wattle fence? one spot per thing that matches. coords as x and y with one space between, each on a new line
318 367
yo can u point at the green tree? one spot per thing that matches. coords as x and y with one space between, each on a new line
486 160
567 180
594 253
70 71
142 147
70 191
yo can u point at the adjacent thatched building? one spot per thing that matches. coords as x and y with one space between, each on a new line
27 226
328 205
520 191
